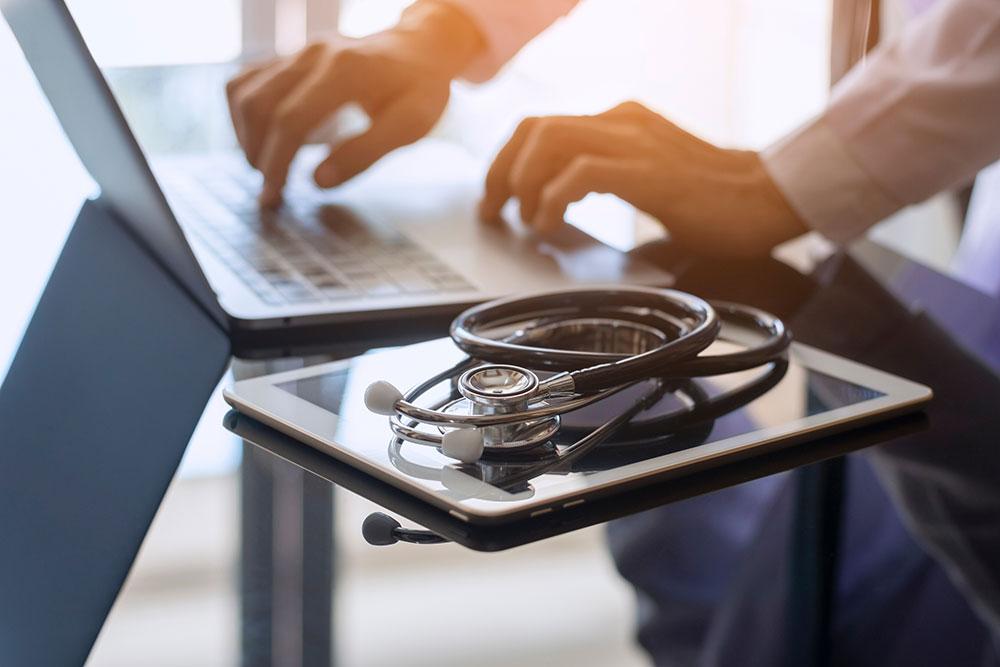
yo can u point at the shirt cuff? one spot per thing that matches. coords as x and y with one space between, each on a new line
506 26
825 185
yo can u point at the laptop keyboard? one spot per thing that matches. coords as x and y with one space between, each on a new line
307 251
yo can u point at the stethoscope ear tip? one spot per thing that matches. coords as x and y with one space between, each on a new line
379 529
381 398
464 444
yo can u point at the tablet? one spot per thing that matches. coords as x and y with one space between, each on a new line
730 417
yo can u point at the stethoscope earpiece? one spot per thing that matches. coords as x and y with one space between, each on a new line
464 444
381 530
381 398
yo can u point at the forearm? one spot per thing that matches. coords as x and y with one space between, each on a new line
918 118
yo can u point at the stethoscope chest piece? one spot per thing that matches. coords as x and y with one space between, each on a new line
499 389
504 438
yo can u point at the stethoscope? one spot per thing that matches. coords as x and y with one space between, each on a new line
644 439
597 342
683 424
533 359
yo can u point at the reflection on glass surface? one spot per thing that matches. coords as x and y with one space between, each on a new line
689 414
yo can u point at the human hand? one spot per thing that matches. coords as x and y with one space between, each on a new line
400 77
713 201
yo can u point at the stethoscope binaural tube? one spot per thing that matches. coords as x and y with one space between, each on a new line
695 320
696 324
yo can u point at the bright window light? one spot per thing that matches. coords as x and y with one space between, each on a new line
127 33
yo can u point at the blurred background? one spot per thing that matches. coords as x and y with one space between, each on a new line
737 72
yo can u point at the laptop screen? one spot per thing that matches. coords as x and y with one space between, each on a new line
95 125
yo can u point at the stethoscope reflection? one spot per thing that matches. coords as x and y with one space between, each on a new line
650 418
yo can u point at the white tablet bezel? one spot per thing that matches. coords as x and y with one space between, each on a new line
262 399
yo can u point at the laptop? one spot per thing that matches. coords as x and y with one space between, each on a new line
380 249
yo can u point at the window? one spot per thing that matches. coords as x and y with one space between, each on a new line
127 33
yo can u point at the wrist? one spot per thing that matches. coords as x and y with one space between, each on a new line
779 217
448 39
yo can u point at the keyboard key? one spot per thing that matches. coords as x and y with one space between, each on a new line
382 289
273 276
297 293
411 280
326 281
342 292
458 285
271 298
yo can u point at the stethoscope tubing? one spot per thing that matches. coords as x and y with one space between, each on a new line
700 323
702 415
588 442
702 328
435 417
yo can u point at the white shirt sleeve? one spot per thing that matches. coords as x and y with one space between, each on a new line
506 25
921 115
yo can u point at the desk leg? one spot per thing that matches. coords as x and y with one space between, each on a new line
286 574
819 490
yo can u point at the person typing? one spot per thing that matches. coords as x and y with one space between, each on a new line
918 117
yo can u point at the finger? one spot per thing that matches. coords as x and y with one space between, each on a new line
401 122
497 189
688 144
585 174
553 143
247 73
233 88
632 110
321 93
260 97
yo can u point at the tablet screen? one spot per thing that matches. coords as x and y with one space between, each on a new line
702 415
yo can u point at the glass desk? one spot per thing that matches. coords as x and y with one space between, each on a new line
253 559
